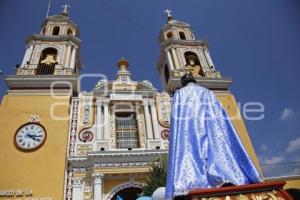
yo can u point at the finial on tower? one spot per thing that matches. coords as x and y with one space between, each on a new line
65 11
169 16
123 63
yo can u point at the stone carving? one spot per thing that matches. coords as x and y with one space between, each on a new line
73 126
165 134
87 192
69 185
148 83
83 149
86 136
86 110
163 103
141 128
34 118
101 82
121 164
112 130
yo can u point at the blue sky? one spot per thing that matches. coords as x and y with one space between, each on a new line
255 42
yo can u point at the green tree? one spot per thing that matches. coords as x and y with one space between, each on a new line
157 176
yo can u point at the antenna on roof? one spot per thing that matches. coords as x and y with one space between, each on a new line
47 15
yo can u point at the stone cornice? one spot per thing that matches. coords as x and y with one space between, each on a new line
44 82
210 83
170 42
116 158
58 18
53 38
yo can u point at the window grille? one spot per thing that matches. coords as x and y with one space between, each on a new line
126 131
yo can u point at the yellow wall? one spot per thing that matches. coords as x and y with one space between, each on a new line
292 184
229 103
42 171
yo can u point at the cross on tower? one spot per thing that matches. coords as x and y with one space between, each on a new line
168 13
66 6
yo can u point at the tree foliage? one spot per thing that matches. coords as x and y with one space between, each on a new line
157 176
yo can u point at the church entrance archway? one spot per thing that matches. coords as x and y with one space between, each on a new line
131 193
127 191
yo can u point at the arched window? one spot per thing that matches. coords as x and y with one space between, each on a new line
47 62
182 35
44 31
70 32
166 73
169 35
56 30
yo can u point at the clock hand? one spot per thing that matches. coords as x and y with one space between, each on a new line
35 135
31 136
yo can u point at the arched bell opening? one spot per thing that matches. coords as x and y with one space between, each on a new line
44 31
56 30
47 62
192 60
69 32
182 35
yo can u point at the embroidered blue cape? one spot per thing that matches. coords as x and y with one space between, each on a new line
204 150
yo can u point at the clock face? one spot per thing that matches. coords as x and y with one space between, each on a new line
30 136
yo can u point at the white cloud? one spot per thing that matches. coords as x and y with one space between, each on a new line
294 145
296 171
273 160
264 147
287 114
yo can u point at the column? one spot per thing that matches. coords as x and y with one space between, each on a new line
175 59
98 121
67 60
106 121
77 189
148 121
154 120
170 61
98 182
208 58
72 64
25 58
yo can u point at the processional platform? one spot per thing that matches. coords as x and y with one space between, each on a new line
259 191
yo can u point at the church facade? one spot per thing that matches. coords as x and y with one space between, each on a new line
74 145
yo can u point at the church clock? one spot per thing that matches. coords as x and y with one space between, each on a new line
30 136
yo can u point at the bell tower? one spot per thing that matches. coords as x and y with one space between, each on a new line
34 114
55 50
181 53
51 56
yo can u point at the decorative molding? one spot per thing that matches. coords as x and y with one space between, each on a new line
163 103
87 192
126 97
83 149
73 126
120 164
97 178
141 128
69 185
34 118
112 129
77 182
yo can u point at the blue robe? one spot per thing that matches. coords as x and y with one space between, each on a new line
204 150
